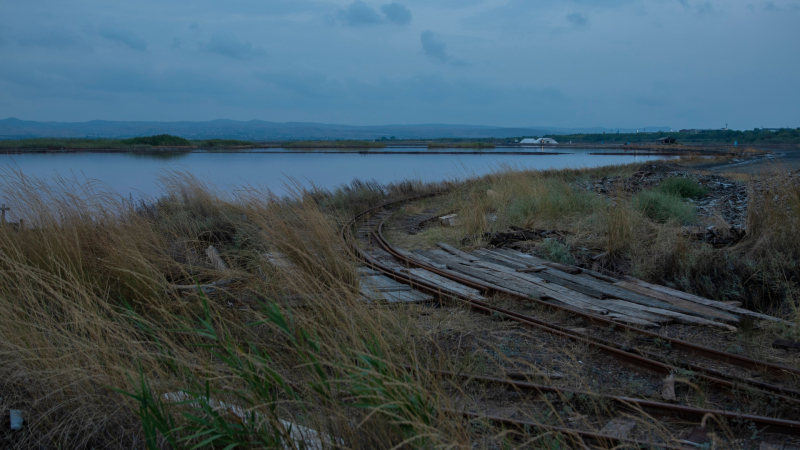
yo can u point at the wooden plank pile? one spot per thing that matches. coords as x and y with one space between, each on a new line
627 300
378 287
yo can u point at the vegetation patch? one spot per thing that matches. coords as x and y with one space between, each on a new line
334 144
553 250
682 187
160 140
662 207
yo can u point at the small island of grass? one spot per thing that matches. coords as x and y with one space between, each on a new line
334 144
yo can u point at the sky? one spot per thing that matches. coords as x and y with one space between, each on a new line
567 63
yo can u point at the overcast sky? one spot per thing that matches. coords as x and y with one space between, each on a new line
610 63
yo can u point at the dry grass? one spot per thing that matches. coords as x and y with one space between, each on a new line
93 330
762 271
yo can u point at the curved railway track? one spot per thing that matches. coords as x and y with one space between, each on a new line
728 381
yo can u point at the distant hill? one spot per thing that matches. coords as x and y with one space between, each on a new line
270 131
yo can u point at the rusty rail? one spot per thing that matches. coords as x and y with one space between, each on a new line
641 359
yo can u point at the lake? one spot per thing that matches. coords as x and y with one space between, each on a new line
135 173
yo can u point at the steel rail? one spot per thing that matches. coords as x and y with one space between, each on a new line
579 435
778 425
633 356
698 350
689 413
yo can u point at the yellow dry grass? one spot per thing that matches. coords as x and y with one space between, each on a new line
89 311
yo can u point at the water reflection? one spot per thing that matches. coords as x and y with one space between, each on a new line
159 156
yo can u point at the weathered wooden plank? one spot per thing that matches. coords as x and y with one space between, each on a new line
557 293
565 294
704 301
680 318
700 310
445 284
609 290
524 284
420 258
572 270
452 250
383 283
406 297
532 269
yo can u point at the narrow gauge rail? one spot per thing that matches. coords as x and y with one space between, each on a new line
637 357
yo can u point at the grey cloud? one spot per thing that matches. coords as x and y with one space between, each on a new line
701 8
124 37
55 39
228 45
577 19
397 13
434 46
772 7
193 26
359 13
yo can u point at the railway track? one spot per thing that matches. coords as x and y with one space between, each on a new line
726 372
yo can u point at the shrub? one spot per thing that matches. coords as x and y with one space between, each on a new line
682 187
161 140
661 207
555 251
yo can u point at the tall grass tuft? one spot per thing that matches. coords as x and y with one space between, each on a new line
682 187
663 207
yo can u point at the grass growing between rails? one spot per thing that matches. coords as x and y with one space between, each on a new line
468 145
334 144
162 140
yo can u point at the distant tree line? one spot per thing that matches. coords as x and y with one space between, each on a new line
755 136
158 141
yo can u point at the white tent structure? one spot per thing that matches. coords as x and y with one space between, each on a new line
538 141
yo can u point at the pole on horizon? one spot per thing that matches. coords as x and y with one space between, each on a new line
3 209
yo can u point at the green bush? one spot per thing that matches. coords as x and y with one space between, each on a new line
682 187
555 251
161 140
661 207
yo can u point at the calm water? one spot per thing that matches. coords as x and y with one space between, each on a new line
135 174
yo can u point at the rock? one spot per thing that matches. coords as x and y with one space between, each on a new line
16 419
449 220
668 389
492 194
619 428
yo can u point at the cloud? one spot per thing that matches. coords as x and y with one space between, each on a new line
228 45
772 7
397 13
578 19
701 8
124 37
359 13
434 46
55 39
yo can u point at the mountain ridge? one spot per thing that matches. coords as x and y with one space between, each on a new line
13 128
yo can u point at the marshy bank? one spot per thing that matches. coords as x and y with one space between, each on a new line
101 332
